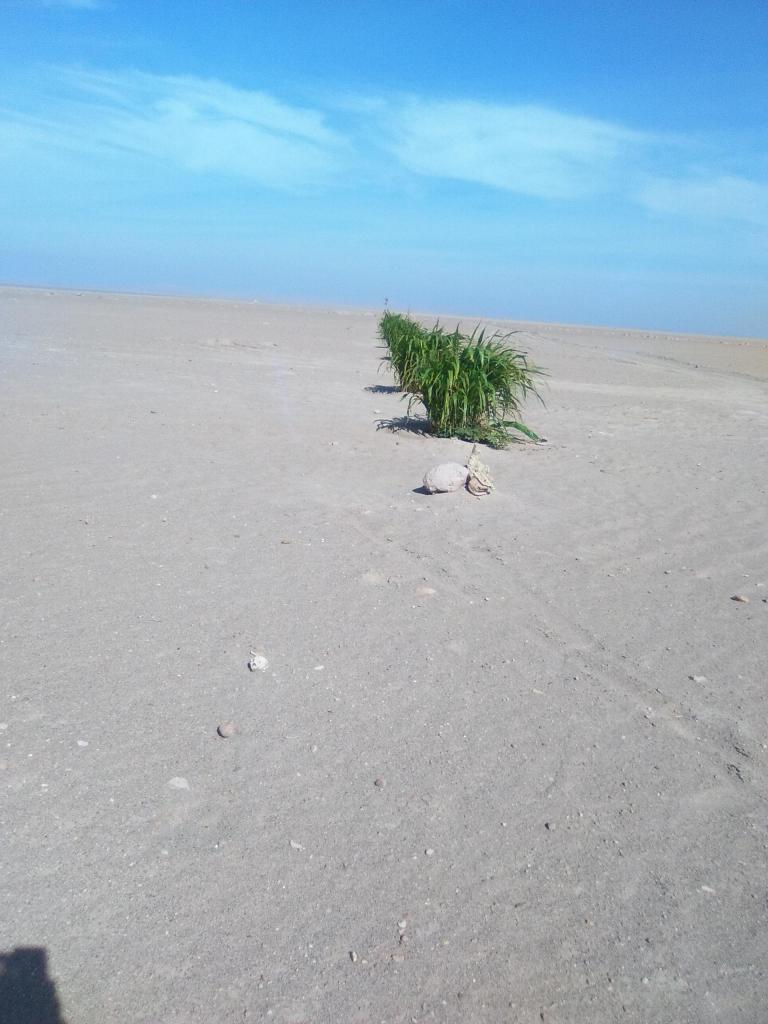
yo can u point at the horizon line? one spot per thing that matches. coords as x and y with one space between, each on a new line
329 306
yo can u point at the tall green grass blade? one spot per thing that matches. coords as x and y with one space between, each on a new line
516 425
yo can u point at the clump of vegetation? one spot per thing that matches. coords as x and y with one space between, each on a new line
471 386
408 347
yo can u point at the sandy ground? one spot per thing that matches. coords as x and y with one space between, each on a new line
565 707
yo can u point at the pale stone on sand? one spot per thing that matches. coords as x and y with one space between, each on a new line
448 476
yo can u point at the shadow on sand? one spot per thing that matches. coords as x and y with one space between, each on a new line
383 389
409 424
27 994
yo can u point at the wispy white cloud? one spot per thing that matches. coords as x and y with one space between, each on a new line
196 124
132 126
551 155
526 149
707 198
193 98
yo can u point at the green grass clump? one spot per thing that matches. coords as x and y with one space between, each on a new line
472 387
408 346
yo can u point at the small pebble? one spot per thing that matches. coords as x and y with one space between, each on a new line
698 679
226 729
398 958
740 598
353 956
82 743
257 663
295 845
402 925
429 852
379 783
178 783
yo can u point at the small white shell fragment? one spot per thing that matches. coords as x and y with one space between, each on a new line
295 845
448 476
257 662
178 783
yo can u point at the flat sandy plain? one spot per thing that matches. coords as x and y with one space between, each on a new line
565 707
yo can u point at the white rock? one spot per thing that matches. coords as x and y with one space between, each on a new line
178 783
257 663
448 476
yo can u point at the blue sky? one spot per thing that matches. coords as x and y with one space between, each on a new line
554 160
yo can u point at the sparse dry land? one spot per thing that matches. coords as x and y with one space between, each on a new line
507 758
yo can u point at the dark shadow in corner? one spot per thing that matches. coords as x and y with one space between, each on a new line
383 389
406 423
27 994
